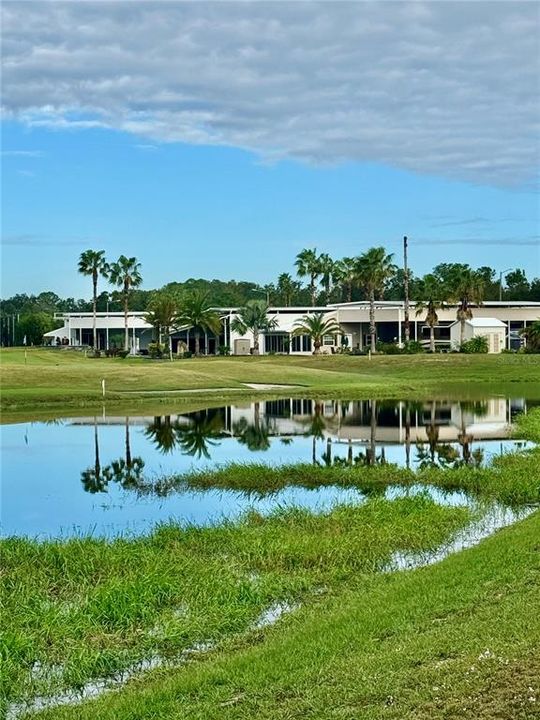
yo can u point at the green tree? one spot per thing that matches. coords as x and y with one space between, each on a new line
33 327
161 315
517 286
316 326
430 303
197 314
93 264
125 273
307 265
531 333
374 269
286 289
327 269
253 317
345 276
467 290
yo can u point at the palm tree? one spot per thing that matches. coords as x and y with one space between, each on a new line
255 435
203 432
467 290
92 478
162 432
93 263
197 313
316 326
430 305
287 288
345 275
374 269
307 265
532 335
125 273
327 269
253 317
162 312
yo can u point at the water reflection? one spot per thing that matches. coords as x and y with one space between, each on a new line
108 472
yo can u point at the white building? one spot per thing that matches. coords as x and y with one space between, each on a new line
499 319
492 329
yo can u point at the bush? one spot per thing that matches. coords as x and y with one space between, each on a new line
388 348
413 347
224 350
111 352
475 346
185 354
357 351
122 354
155 350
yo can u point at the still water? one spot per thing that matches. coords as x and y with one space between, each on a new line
83 475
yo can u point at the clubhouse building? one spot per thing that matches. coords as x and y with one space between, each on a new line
499 321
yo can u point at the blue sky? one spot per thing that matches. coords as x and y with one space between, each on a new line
228 175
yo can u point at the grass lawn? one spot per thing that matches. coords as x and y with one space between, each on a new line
58 380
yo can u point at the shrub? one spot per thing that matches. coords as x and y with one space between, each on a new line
475 345
413 347
123 354
224 350
388 348
155 350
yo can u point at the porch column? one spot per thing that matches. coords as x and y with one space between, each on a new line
107 338
400 343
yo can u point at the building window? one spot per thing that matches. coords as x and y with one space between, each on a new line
301 343
329 340
276 342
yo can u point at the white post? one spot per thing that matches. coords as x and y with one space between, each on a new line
400 343
107 337
103 387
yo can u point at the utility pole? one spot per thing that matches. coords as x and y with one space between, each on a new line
406 287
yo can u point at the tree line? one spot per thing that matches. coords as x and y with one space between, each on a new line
318 279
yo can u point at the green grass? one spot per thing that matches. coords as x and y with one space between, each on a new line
94 607
56 380
455 641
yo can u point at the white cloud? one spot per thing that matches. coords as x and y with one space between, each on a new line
449 88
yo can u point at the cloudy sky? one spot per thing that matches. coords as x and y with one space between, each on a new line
218 139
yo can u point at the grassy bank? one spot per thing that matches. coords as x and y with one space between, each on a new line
88 608
56 380
455 640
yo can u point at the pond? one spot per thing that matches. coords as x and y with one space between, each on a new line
79 475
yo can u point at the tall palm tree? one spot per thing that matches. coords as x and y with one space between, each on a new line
326 269
203 432
374 269
307 265
92 479
430 304
287 288
316 326
467 290
125 273
253 317
196 313
93 263
162 312
162 432
345 275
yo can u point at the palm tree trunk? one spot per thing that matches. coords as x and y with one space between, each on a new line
312 289
349 292
126 335
372 328
128 445
94 303
373 430
197 343
255 341
408 436
97 464
432 338
316 347
462 331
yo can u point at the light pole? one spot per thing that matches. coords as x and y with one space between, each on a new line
262 290
500 281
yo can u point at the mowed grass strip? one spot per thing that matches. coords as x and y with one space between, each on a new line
87 608
60 378
457 640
